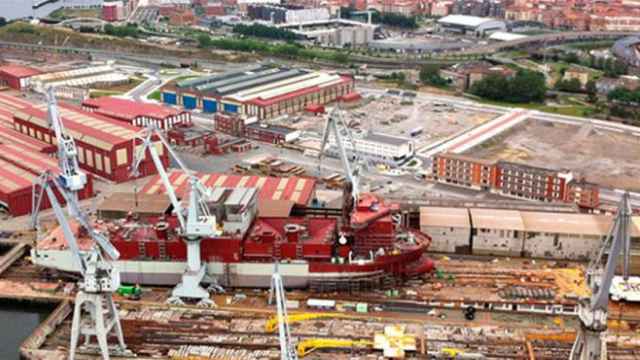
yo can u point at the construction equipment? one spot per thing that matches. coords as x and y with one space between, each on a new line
276 292
593 312
99 278
334 120
306 346
272 323
71 178
198 224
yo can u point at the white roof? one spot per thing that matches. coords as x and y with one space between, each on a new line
506 36
464 20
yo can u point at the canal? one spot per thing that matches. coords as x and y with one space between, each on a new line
17 322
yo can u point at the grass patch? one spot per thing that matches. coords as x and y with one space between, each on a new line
68 13
100 93
122 88
570 110
154 95
592 45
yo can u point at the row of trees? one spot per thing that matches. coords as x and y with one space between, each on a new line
128 30
288 50
259 30
391 19
525 86
625 96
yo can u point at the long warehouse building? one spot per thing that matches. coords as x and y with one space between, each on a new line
261 91
105 146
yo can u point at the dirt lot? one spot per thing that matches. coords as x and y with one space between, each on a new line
607 158
398 116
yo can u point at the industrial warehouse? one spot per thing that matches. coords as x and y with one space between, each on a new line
263 91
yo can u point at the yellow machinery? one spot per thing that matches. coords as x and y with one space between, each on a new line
272 323
308 345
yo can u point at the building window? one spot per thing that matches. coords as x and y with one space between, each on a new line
121 157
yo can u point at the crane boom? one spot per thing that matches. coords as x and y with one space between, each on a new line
72 177
147 144
287 349
331 125
593 312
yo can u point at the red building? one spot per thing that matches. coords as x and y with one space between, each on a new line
19 168
137 113
112 11
214 9
586 195
232 124
273 134
105 146
533 183
465 171
16 76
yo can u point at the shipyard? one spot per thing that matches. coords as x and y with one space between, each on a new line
201 179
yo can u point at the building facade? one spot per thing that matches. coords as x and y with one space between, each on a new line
16 77
533 183
465 171
105 146
262 91
138 113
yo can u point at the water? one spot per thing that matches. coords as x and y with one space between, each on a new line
17 322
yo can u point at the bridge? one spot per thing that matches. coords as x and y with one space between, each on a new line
77 23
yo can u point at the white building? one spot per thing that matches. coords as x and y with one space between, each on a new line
376 148
449 229
334 32
470 25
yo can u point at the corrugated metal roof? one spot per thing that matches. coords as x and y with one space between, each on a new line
129 109
280 75
295 189
27 159
242 77
14 178
18 71
94 129
211 78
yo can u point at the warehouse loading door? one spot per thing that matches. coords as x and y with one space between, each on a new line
169 98
189 102
209 106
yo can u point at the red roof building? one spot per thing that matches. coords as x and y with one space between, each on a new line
16 76
137 113
19 168
296 189
105 146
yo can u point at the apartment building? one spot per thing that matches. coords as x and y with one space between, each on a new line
465 171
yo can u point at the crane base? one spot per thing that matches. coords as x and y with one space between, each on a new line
95 315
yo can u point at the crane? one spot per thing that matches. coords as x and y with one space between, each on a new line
306 346
272 323
334 120
99 278
593 312
72 178
198 224
276 292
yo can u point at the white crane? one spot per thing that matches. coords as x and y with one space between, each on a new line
590 342
198 224
72 178
287 349
334 119
99 278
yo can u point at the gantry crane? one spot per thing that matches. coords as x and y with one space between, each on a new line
590 343
276 292
198 224
99 278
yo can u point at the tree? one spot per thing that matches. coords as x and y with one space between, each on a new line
571 85
3 21
525 86
204 41
430 74
572 58
592 92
